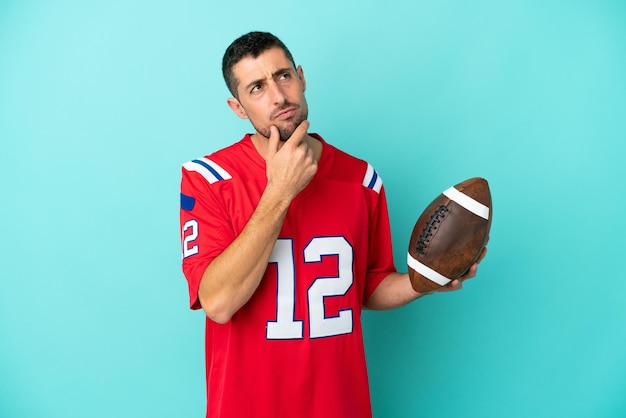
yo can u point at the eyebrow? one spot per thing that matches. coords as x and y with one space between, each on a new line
274 74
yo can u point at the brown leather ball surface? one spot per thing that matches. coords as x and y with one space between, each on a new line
450 235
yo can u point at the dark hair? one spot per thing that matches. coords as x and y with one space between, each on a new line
251 44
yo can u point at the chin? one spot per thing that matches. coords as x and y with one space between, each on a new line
285 130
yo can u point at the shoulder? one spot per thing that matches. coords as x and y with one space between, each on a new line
222 165
208 169
348 167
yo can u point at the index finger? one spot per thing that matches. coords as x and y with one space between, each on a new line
299 133
273 141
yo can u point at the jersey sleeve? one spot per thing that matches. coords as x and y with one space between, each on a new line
204 224
380 249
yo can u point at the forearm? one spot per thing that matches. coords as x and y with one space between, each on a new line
232 277
394 291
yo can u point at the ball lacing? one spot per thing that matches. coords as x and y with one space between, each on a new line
432 225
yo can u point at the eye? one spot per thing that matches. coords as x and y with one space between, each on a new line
256 88
285 76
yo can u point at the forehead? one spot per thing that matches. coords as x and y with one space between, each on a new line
263 66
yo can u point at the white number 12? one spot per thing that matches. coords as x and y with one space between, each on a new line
286 326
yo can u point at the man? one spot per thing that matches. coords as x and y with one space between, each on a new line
285 239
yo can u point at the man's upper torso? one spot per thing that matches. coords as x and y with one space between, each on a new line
295 349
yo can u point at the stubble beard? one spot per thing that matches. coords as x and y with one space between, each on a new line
288 127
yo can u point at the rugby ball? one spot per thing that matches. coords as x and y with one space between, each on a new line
450 235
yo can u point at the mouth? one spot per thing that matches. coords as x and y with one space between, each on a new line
285 114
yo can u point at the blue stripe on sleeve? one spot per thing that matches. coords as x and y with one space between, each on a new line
373 180
211 169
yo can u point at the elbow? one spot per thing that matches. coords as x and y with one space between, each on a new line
217 317
216 312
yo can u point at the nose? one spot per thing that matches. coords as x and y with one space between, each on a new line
277 94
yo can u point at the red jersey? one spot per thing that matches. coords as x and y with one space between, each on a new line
296 348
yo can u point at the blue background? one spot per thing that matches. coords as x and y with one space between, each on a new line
100 103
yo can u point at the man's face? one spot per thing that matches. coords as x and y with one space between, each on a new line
271 92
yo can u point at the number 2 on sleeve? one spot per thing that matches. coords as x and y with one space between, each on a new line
189 238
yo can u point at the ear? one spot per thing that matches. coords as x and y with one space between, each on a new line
237 108
301 77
